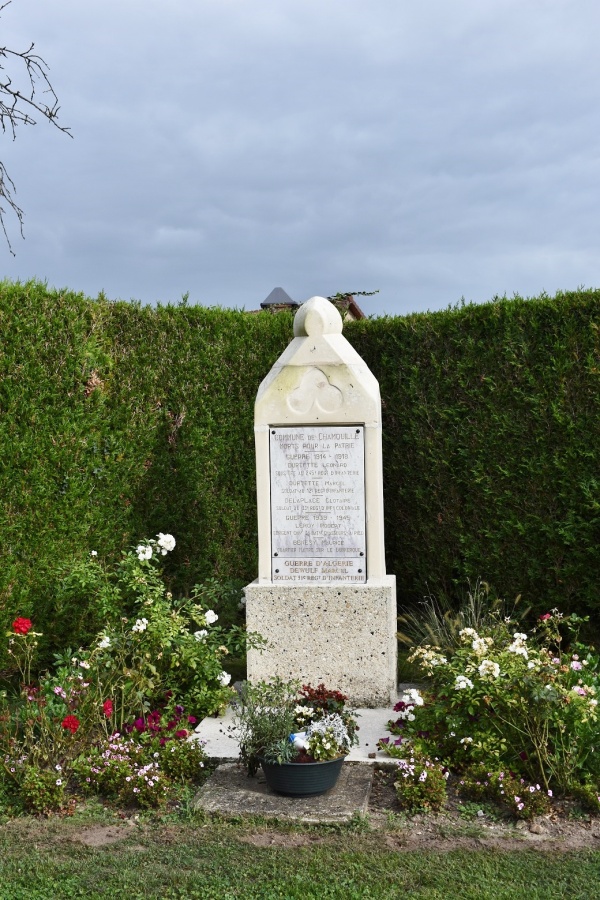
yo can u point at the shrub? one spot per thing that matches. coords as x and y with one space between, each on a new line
511 701
523 800
421 784
42 791
90 713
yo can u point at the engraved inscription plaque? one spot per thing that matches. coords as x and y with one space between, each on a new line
318 503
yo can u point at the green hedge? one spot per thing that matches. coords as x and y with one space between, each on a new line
117 421
492 447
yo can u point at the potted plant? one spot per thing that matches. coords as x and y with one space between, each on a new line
300 736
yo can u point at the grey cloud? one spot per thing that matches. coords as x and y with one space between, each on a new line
432 150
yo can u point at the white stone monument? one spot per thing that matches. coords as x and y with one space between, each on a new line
322 599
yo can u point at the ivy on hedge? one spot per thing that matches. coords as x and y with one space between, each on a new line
117 421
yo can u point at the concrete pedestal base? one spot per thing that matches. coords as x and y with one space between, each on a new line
341 634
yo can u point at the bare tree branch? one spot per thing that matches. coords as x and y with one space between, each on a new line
19 106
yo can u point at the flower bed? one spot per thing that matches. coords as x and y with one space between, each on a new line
112 717
515 715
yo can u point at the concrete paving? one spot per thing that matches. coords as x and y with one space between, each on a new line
230 792
220 744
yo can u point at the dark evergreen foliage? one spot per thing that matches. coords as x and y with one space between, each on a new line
118 421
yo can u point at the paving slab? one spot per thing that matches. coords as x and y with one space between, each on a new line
230 792
220 744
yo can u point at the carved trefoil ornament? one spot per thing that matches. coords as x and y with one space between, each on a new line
315 390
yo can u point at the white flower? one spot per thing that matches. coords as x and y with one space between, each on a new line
518 645
489 668
84 664
466 740
58 782
533 663
414 697
462 682
200 635
210 617
144 551
427 657
140 625
224 678
481 645
468 634
166 542
104 643
93 553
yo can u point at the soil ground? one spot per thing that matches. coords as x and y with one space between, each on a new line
463 824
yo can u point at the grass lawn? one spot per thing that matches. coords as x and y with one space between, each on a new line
98 853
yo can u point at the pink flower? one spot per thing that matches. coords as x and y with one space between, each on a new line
545 617
576 666
107 706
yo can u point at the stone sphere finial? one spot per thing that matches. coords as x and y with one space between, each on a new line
317 317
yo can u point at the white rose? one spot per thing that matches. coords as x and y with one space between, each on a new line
166 542
210 617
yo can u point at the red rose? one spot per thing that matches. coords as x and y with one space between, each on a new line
107 706
21 626
71 723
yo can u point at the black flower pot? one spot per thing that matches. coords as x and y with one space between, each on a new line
303 779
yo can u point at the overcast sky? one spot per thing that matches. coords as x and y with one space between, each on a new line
429 150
